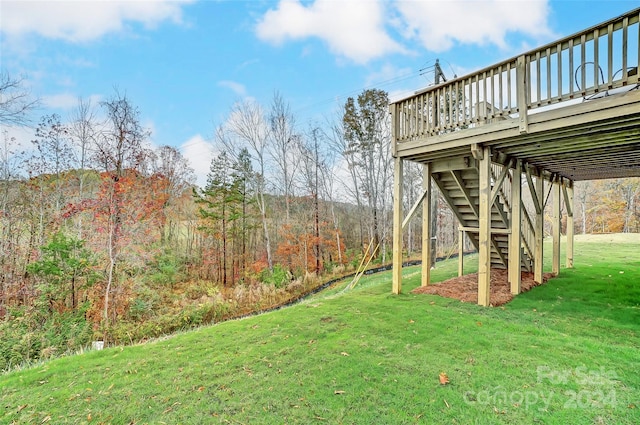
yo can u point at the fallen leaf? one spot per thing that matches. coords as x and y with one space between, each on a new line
447 404
479 323
20 408
89 417
339 392
412 321
444 379
344 353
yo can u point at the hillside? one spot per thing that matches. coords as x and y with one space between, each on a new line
565 352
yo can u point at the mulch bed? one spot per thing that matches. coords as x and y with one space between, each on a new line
465 288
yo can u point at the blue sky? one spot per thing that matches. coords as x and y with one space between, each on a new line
185 63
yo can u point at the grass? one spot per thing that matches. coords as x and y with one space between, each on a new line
566 352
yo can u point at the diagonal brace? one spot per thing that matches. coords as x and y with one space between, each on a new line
414 209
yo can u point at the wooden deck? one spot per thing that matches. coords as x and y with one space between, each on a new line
565 112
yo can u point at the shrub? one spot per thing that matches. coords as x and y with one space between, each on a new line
278 277
31 335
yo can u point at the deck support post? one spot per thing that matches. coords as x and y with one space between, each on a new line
397 225
568 201
484 237
427 211
461 252
515 251
539 229
557 221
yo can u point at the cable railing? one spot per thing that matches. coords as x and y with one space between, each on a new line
596 62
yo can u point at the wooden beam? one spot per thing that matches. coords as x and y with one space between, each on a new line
570 229
413 210
515 252
395 128
426 226
461 234
554 178
568 202
397 225
498 184
521 93
495 230
477 151
532 189
557 217
539 232
484 257
457 163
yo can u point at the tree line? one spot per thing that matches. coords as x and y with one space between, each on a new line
104 236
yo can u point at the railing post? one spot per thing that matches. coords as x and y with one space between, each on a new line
522 91
393 109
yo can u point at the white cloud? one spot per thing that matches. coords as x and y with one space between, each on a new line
237 88
439 25
80 21
388 74
199 153
67 101
352 29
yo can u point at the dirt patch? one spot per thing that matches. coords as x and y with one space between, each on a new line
465 288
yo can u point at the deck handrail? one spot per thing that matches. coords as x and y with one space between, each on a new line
581 66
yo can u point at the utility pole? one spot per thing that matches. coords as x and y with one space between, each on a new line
438 73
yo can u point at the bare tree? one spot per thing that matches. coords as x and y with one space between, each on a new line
247 123
120 148
11 233
121 144
54 152
15 101
335 135
283 148
169 164
312 165
328 187
83 132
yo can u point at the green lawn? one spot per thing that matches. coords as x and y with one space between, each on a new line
567 352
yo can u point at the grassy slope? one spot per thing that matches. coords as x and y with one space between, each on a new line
567 352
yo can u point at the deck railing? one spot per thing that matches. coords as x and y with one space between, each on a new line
589 64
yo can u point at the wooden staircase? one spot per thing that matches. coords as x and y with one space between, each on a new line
460 189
